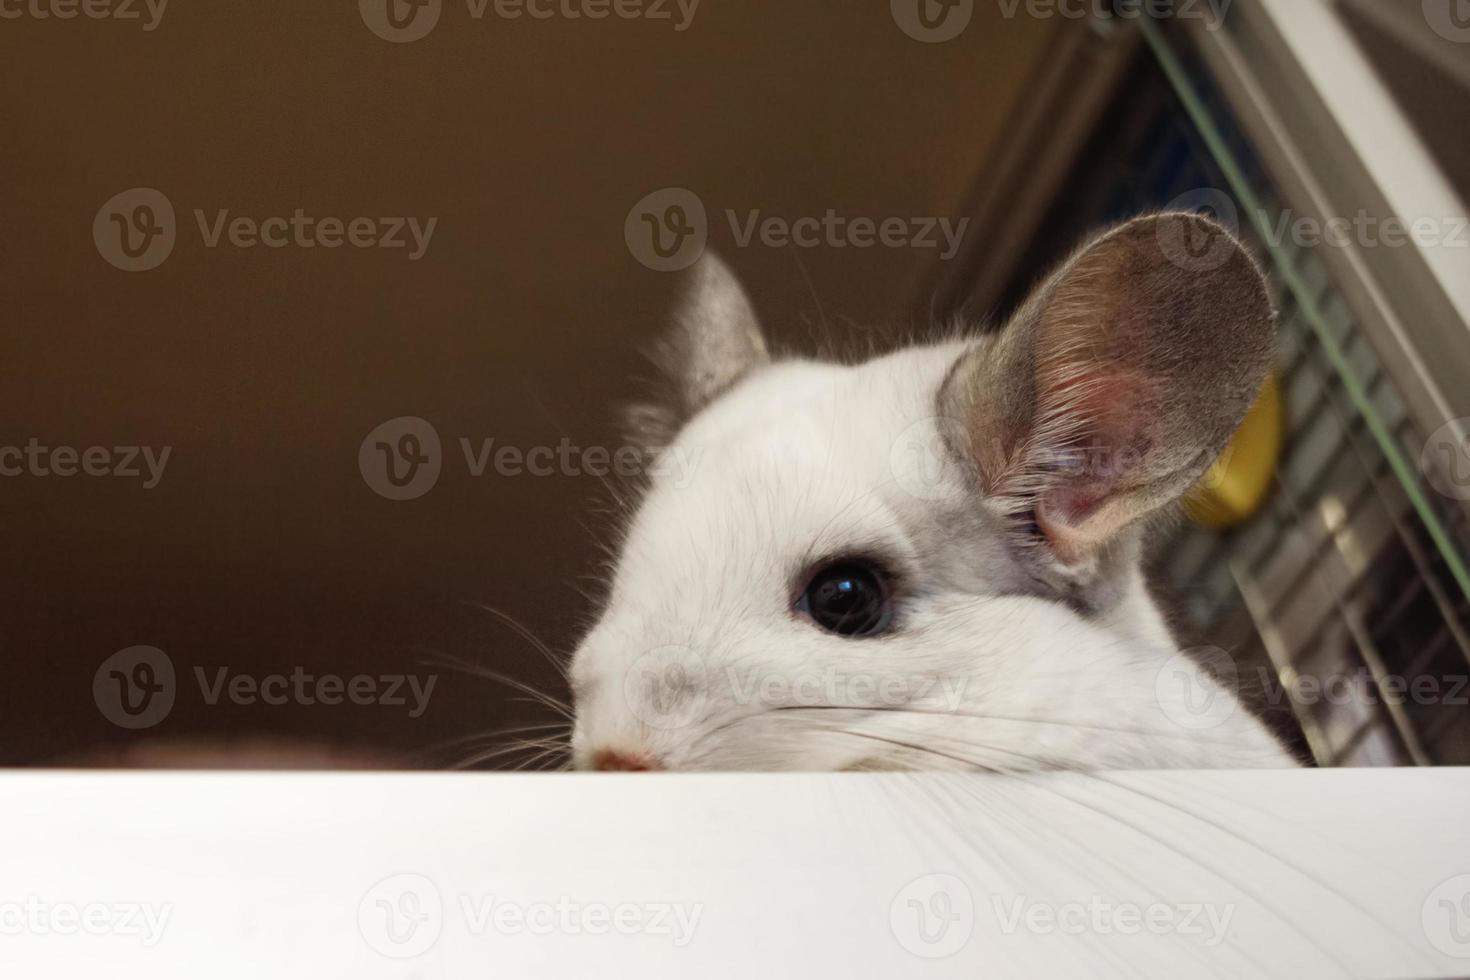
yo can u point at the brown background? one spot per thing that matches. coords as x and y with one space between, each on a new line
262 549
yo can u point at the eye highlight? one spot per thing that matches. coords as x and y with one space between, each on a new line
848 597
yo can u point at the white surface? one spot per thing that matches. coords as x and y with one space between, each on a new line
1363 873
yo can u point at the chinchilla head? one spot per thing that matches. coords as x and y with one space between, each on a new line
930 560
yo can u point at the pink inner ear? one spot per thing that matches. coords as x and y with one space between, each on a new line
1099 421
1099 424
1071 505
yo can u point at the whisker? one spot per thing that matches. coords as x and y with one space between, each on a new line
526 634
541 697
495 734
962 760
545 755
1081 726
521 746
1153 839
1226 830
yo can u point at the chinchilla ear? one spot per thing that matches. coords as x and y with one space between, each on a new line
715 341
1117 384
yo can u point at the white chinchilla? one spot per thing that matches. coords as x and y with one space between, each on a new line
931 560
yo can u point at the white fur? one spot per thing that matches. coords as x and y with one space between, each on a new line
698 647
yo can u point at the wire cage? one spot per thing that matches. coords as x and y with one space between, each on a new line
1344 601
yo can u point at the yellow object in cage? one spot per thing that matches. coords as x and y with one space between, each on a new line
1237 485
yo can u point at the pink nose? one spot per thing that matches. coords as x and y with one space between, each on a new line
618 760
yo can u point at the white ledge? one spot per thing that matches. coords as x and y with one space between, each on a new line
1292 874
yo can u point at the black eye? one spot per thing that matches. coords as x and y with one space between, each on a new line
848 598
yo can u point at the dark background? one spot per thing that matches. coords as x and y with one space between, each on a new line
262 549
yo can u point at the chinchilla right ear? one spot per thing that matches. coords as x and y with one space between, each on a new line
716 340
1116 385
